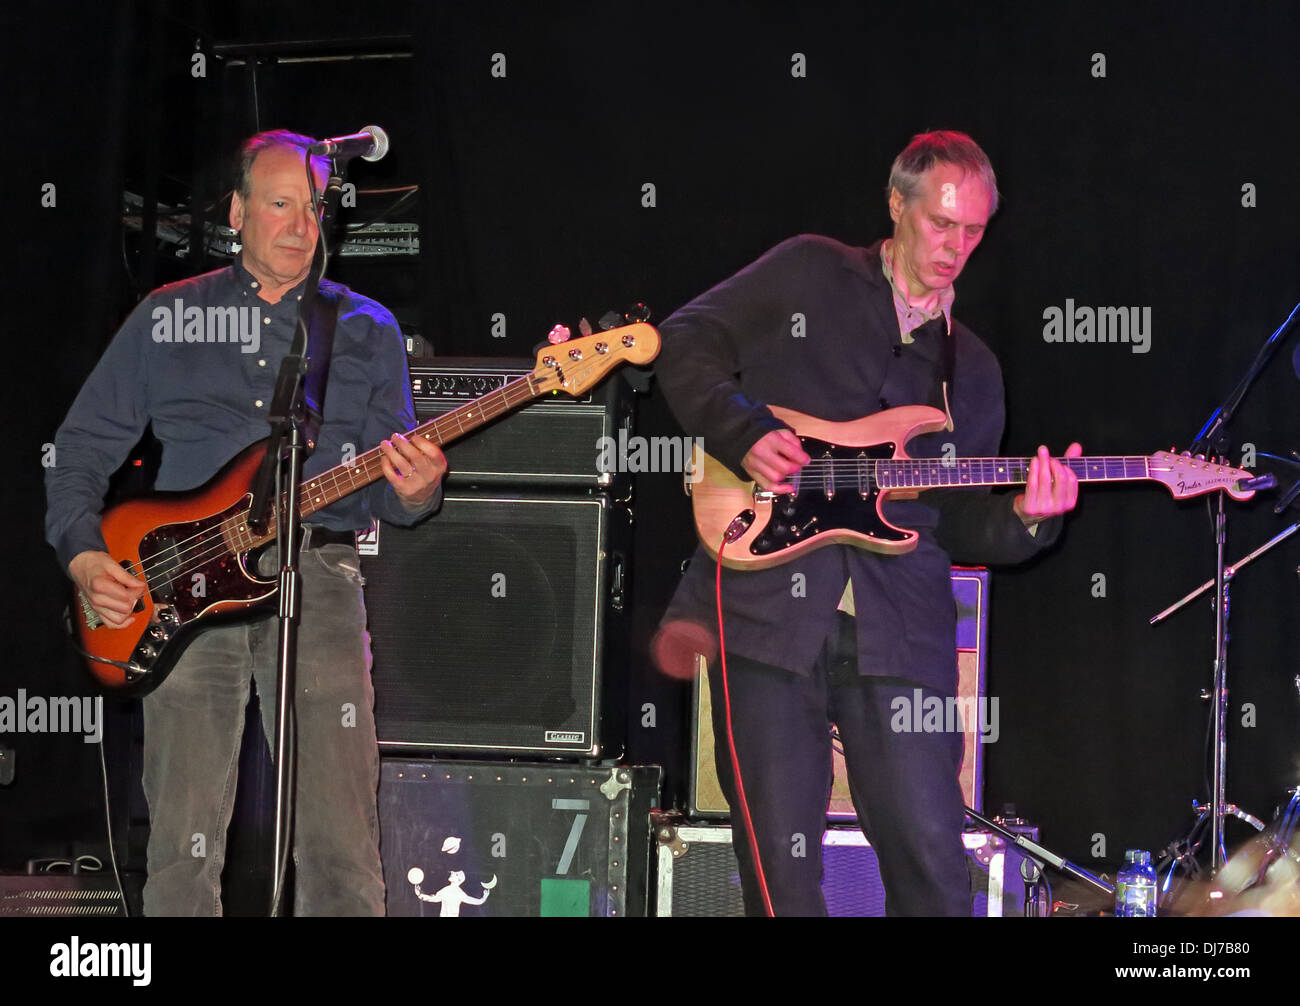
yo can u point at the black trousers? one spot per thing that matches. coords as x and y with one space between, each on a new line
904 784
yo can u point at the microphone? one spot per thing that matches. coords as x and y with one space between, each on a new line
370 145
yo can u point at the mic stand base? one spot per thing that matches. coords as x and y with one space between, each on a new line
1042 856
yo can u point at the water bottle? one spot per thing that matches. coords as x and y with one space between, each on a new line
1135 888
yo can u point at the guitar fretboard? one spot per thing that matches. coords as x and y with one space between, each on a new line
342 480
934 473
927 473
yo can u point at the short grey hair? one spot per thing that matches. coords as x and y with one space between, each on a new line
254 145
940 147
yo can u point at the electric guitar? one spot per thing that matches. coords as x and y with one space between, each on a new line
857 465
171 540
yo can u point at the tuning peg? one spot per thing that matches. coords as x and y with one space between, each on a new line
559 334
584 326
638 312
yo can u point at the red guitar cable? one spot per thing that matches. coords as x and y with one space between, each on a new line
734 531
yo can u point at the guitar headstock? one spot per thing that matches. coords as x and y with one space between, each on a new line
575 365
1188 476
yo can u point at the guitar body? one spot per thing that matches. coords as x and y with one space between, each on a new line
817 515
159 534
854 467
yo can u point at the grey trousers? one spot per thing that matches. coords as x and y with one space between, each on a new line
194 723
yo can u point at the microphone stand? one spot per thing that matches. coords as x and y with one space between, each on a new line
1213 438
288 417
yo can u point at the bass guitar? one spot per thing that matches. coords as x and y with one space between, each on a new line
172 541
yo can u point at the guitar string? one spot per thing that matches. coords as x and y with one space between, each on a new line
205 547
896 469
233 524
330 480
182 561
984 470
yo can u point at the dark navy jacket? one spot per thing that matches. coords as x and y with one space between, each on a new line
732 351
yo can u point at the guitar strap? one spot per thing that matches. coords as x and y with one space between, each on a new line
949 361
940 329
320 346
949 367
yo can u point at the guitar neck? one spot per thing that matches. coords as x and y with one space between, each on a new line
935 473
343 480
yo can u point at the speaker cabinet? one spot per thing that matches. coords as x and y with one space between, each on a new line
488 624
468 838
970 591
552 441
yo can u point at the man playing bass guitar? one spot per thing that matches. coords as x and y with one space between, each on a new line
206 394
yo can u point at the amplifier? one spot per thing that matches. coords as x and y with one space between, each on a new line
696 873
488 625
514 839
80 894
970 590
551 441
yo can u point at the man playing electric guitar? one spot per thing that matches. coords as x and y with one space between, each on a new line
837 333
206 394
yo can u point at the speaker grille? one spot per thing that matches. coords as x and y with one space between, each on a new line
486 625
80 895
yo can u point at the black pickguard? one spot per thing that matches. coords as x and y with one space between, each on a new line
842 498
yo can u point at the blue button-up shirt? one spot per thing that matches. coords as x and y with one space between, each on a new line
198 359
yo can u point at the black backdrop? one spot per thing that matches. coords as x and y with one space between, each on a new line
1127 143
